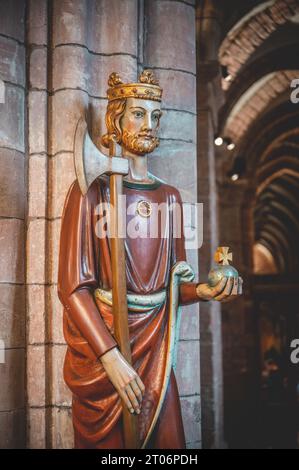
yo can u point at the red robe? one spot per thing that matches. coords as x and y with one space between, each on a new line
84 266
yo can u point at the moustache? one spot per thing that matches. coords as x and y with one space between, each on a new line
146 134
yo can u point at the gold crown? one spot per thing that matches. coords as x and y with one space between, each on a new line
148 87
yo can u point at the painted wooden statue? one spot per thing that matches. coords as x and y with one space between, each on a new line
121 294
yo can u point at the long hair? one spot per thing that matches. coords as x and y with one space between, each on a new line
115 111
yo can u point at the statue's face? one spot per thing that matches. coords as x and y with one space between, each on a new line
139 125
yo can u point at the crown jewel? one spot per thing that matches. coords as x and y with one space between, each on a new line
147 87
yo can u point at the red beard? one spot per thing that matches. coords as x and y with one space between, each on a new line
140 143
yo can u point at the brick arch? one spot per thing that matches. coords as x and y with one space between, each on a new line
286 141
248 35
268 131
270 147
275 171
255 101
276 219
279 59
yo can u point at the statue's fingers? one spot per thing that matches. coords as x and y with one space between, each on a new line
132 398
220 287
123 395
227 291
136 390
140 384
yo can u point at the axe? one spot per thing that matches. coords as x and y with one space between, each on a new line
90 163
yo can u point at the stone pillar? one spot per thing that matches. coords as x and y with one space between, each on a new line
12 216
168 47
37 220
209 101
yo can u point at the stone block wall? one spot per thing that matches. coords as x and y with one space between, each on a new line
12 224
71 48
37 255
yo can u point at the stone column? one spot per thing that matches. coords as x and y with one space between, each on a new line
209 101
37 220
167 46
12 216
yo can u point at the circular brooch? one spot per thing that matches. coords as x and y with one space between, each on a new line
144 208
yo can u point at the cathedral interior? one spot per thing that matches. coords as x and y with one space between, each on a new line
229 140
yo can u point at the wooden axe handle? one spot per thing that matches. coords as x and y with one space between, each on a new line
119 296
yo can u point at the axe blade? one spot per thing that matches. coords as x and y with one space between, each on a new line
90 162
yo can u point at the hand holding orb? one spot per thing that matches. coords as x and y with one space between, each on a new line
222 257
